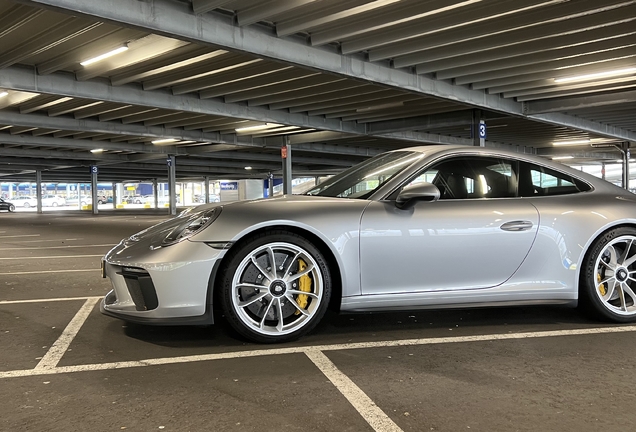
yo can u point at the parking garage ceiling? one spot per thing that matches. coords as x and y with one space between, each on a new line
223 84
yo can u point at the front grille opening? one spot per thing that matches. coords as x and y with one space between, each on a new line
141 289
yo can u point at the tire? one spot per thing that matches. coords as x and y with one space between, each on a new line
608 283
54 204
253 299
11 208
27 205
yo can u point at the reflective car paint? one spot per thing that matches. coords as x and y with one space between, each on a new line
462 263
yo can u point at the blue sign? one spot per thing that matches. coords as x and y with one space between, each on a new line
94 169
169 161
229 186
482 130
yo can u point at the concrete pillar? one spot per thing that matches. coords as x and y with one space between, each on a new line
172 176
603 170
270 185
626 156
95 205
155 192
206 189
287 168
38 191
478 129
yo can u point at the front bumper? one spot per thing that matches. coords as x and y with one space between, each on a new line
170 285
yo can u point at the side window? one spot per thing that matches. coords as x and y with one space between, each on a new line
535 180
472 177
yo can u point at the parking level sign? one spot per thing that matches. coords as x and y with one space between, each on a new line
482 130
94 169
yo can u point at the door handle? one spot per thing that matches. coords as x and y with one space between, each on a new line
519 225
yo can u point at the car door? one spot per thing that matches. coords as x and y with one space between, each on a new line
475 236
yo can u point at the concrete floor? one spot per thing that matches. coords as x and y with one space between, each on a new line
509 369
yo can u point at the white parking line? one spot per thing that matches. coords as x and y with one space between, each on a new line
295 350
47 271
57 350
57 247
22 235
52 257
369 411
43 300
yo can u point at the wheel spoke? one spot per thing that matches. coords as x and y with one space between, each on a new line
606 264
625 253
272 262
296 305
252 300
296 292
630 261
291 263
300 274
610 292
263 271
254 286
628 290
269 306
604 281
279 312
621 294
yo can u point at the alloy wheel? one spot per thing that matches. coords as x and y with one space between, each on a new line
615 270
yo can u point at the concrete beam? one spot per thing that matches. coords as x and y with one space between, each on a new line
579 102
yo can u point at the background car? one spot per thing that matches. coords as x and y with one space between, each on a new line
6 205
25 201
74 201
212 198
419 228
53 201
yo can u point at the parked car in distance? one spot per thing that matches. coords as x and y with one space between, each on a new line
201 198
53 201
25 201
103 199
73 200
6 206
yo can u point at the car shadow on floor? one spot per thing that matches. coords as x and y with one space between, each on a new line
347 328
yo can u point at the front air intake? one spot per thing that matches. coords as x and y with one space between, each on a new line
141 289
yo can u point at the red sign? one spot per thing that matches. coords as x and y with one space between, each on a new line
283 152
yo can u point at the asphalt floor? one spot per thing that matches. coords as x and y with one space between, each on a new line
66 367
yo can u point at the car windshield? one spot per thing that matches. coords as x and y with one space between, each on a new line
362 180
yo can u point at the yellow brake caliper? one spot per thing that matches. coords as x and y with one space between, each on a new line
304 284
601 287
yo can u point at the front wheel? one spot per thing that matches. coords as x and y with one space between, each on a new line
608 284
275 288
27 205
12 208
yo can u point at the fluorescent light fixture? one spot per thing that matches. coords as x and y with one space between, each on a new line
104 56
248 167
562 157
3 94
597 75
165 141
97 150
572 142
258 127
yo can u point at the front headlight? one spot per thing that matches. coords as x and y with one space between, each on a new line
192 223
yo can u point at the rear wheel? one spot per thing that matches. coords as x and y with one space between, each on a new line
608 286
275 288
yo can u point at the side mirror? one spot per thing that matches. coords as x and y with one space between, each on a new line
417 192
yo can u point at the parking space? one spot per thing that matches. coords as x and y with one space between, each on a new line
64 366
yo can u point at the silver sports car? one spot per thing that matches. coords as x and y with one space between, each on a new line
426 227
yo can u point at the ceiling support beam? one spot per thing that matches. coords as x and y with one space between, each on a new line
65 85
586 125
435 121
573 103
203 6
176 19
